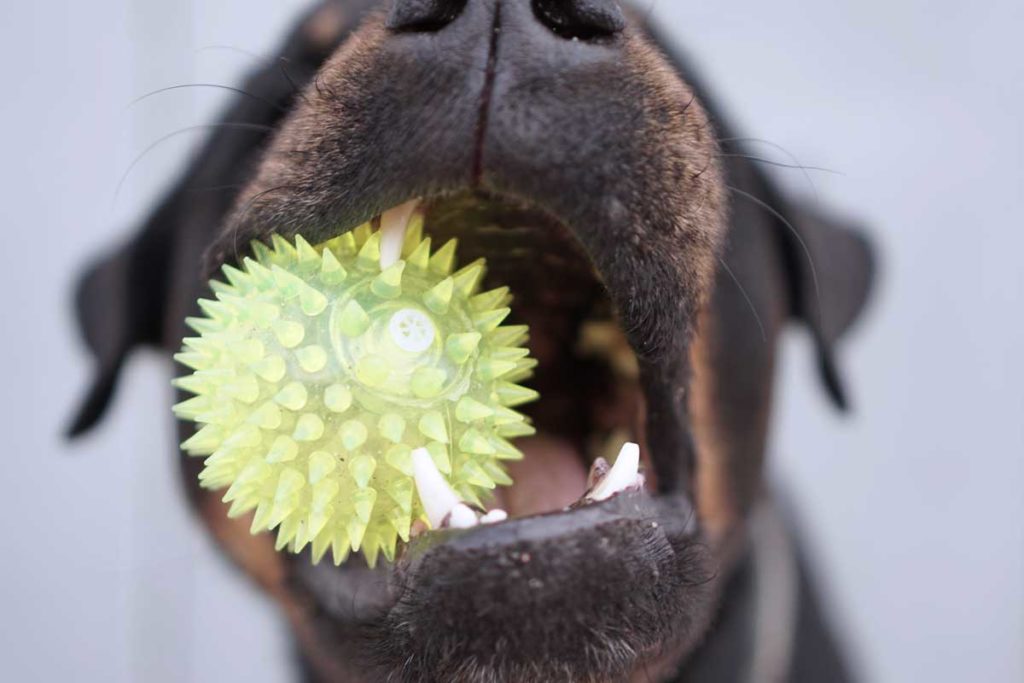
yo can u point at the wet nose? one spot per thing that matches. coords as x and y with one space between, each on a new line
423 15
580 19
571 19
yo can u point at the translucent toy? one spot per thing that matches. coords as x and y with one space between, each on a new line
317 371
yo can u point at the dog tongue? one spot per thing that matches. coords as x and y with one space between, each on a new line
550 477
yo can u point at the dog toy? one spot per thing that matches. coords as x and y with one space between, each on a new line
317 370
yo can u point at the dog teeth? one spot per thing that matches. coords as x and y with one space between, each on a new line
438 498
462 517
623 475
494 516
442 505
393 224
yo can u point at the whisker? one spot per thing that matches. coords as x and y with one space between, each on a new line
772 162
792 157
283 62
232 48
258 58
796 234
257 127
218 86
746 297
213 188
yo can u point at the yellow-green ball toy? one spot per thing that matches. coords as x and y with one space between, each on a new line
316 373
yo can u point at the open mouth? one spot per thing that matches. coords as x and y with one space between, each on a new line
591 404
581 530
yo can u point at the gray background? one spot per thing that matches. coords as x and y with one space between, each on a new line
914 505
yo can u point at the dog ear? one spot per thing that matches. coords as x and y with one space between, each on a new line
827 263
830 266
125 299
120 303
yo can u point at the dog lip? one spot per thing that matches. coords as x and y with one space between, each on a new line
631 559
622 566
556 526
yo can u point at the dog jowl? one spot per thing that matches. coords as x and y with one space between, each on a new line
653 262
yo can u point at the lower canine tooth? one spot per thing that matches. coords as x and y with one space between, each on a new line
437 497
624 474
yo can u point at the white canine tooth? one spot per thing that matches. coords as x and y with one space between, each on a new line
437 497
494 516
623 474
393 223
462 517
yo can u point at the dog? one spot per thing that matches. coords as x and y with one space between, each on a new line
656 263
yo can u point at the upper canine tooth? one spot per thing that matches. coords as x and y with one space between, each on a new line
393 223
624 474
437 497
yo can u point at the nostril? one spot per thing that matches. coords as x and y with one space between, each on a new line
423 15
580 19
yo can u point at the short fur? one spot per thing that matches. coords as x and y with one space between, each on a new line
573 107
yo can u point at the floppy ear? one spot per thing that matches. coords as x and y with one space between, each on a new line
124 299
830 267
827 295
120 303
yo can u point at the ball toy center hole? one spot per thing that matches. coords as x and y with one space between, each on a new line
412 330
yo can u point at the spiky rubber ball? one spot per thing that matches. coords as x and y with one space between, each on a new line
316 372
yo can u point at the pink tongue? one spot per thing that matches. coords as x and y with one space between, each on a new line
550 477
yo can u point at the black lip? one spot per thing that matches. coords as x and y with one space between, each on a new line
633 566
553 528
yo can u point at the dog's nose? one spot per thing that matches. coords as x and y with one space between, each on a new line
573 19
580 19
423 15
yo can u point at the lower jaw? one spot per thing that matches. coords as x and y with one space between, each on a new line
603 593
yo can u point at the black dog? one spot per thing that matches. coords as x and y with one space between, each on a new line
656 264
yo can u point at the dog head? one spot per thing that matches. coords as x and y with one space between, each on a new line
654 263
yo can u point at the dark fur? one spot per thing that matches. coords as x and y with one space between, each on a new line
607 136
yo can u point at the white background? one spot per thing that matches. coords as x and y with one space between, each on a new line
914 505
